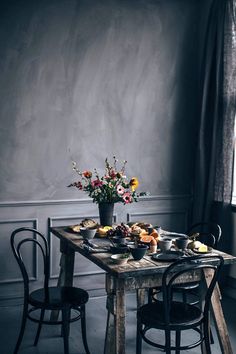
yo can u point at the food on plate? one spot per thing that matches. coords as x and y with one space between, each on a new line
153 245
198 246
86 223
89 223
121 231
153 242
146 238
194 244
203 248
75 228
155 234
143 233
103 230
135 230
137 227
144 225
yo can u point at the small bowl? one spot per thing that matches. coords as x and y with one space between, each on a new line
138 252
87 233
119 240
120 259
182 242
165 244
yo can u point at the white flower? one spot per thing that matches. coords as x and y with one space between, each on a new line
120 189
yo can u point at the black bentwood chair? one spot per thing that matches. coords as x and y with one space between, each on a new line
47 298
208 233
176 316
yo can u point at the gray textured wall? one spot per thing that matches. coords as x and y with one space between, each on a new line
88 79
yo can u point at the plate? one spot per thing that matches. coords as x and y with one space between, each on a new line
168 256
209 250
74 228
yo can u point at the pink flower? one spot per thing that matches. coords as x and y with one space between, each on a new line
96 183
127 198
112 174
79 185
120 189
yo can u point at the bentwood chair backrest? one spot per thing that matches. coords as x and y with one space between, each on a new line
19 238
209 232
175 272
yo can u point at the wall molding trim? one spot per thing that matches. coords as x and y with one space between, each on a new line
159 212
50 224
87 200
34 222
169 211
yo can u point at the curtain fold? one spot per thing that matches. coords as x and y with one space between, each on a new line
214 156
224 167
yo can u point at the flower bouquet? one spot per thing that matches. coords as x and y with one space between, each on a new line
112 187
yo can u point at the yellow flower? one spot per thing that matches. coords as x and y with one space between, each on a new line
134 183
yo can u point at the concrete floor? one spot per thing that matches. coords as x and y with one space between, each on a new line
51 343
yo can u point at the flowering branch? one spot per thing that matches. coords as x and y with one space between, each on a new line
112 187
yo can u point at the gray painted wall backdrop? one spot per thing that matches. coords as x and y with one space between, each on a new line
83 80
88 79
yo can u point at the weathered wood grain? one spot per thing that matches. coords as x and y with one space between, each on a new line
218 316
135 275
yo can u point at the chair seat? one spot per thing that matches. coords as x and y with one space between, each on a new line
186 286
152 315
58 296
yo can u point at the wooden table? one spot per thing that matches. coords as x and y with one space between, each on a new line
135 276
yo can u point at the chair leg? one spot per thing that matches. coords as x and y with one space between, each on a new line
138 337
22 329
65 328
167 342
211 337
184 297
83 328
177 342
207 337
39 327
150 293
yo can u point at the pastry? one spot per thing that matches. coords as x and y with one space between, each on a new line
89 223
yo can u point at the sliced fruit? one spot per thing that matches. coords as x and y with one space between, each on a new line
107 228
146 238
154 234
194 244
153 242
203 248
103 230
143 233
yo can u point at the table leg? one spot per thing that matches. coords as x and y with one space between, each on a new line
110 329
115 330
201 294
218 316
140 294
66 272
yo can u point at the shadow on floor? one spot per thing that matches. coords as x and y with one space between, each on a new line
51 343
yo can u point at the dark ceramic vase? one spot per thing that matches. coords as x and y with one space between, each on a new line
106 213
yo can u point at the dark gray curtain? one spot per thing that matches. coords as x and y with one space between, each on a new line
214 157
